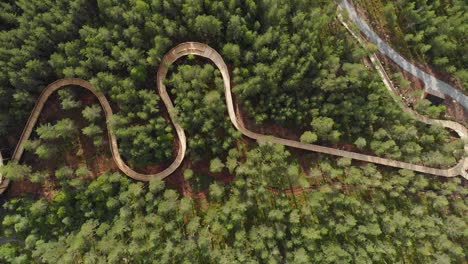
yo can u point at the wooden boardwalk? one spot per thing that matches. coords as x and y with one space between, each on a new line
203 50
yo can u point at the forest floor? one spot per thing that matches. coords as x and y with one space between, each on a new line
198 186
79 152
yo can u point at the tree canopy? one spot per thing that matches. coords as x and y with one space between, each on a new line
294 69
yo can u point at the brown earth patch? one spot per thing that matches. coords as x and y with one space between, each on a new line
456 111
204 167
82 150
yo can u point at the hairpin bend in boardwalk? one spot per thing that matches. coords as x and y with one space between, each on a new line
203 50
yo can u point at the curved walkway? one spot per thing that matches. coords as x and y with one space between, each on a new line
430 81
205 51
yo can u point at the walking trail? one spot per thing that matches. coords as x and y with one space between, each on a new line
203 50
430 82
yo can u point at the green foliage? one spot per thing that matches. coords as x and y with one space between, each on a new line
308 137
363 215
292 65
201 110
344 162
39 177
431 31
15 172
48 146
67 99
207 26
46 151
425 107
92 130
82 171
360 142
232 52
64 128
323 126
92 113
270 164
216 165
188 174
144 135
64 173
